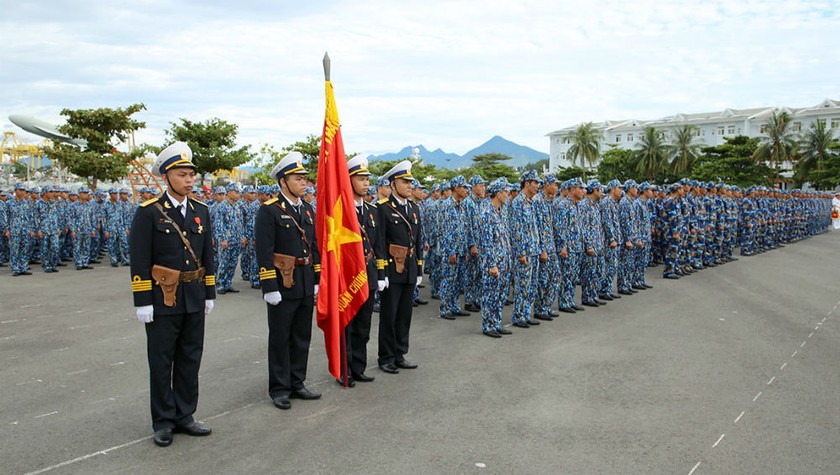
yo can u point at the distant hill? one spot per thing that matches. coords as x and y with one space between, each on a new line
520 153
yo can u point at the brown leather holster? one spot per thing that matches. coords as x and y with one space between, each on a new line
399 254
168 280
286 265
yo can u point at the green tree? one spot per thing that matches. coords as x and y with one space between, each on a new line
780 144
102 129
537 166
489 167
426 173
732 162
817 148
586 145
684 150
618 163
564 174
213 144
652 154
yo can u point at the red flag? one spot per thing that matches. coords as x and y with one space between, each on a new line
343 287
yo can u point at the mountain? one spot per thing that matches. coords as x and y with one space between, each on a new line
520 153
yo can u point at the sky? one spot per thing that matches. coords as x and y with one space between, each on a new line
445 75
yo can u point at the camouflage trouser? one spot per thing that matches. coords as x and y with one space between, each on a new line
4 248
671 256
81 249
115 247
611 258
449 286
626 264
95 247
247 262
524 288
493 296
67 246
592 269
34 248
570 273
472 282
547 279
435 271
227 265
641 262
710 252
51 246
19 251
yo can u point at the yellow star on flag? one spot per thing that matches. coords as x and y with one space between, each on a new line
340 236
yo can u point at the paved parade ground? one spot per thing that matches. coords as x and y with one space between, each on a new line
730 370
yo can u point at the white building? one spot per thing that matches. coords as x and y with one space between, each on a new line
711 128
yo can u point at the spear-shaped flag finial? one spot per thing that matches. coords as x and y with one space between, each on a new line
326 66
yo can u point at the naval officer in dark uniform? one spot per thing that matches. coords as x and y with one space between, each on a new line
289 268
399 236
358 330
174 287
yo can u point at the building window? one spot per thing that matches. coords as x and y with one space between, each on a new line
797 126
835 123
618 138
696 132
629 137
720 131
730 130
763 129
562 155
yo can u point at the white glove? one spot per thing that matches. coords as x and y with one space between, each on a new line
419 279
208 306
381 284
316 289
145 314
387 283
273 298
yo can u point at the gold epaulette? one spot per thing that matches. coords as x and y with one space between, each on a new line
193 200
382 201
271 201
147 203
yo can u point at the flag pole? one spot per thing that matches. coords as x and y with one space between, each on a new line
345 380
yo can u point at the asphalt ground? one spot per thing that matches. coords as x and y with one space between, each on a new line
730 370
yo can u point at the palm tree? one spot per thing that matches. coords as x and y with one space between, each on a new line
586 145
684 150
652 153
817 148
780 144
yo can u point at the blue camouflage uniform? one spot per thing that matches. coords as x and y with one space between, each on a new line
4 226
21 225
612 234
50 228
472 274
640 260
548 273
525 239
593 240
493 251
112 223
568 236
228 227
83 224
452 241
248 261
630 233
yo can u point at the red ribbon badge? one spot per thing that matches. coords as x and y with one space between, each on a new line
197 220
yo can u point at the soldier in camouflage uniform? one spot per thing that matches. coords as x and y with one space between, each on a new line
525 239
472 277
229 234
452 229
547 274
612 239
494 258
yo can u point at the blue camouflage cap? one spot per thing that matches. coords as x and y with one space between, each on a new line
593 185
113 191
264 189
248 189
477 180
219 190
549 179
496 186
644 186
630 183
233 186
613 184
275 188
530 175
573 182
382 181
372 191
310 190
19 186
84 189
514 187
458 181
435 187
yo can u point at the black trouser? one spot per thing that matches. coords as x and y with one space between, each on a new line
289 332
174 346
358 336
395 308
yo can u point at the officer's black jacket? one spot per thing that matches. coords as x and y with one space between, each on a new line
369 224
403 232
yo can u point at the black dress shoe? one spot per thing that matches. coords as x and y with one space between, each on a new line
362 377
533 323
639 287
578 308
493 334
554 313
163 437
504 331
282 402
87 267
60 264
405 364
590 304
350 384
255 286
461 313
15 274
415 304
472 308
600 302
389 368
671 276
221 291
634 291
647 286
605 297
447 316
233 291
376 308
567 310
521 325
114 264
421 301
195 429
304 393
508 302
614 296
547 318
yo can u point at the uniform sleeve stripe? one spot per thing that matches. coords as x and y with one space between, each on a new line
210 280
267 275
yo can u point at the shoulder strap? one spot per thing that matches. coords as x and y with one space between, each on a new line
178 231
302 233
